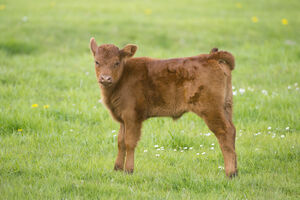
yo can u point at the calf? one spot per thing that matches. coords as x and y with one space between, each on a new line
135 89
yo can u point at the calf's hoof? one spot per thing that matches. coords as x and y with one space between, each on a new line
118 168
129 171
232 174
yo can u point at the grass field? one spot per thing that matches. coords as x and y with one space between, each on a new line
57 141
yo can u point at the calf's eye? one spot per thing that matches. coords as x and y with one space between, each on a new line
117 64
97 63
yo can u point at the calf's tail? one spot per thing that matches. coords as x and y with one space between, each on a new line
222 56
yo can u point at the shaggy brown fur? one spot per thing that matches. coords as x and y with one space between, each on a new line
135 89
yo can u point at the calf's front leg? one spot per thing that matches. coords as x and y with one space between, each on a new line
132 136
119 164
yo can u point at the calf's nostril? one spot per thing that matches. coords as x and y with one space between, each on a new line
105 79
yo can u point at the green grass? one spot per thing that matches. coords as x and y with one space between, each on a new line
68 150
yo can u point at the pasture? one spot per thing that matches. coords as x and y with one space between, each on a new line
58 141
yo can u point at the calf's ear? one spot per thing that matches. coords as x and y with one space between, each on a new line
129 50
93 45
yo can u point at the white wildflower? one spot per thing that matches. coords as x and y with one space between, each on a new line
113 131
157 155
25 19
287 128
191 148
265 92
234 93
290 42
145 151
250 89
156 146
242 90
203 153
257 133
282 136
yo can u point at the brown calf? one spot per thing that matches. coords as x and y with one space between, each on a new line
135 89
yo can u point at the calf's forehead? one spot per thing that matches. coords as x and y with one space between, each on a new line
108 52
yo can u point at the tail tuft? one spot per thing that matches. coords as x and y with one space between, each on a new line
213 50
223 56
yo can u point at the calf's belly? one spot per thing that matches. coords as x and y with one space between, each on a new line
170 109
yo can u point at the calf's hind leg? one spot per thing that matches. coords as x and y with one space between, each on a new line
226 140
224 130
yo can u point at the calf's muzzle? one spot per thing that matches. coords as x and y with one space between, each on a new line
105 80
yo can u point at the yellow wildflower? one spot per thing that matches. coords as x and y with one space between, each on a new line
34 105
284 21
148 11
20 130
2 7
238 5
254 19
46 106
53 3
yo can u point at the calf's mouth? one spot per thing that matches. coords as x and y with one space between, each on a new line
105 83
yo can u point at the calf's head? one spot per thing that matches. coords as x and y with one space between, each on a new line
110 61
